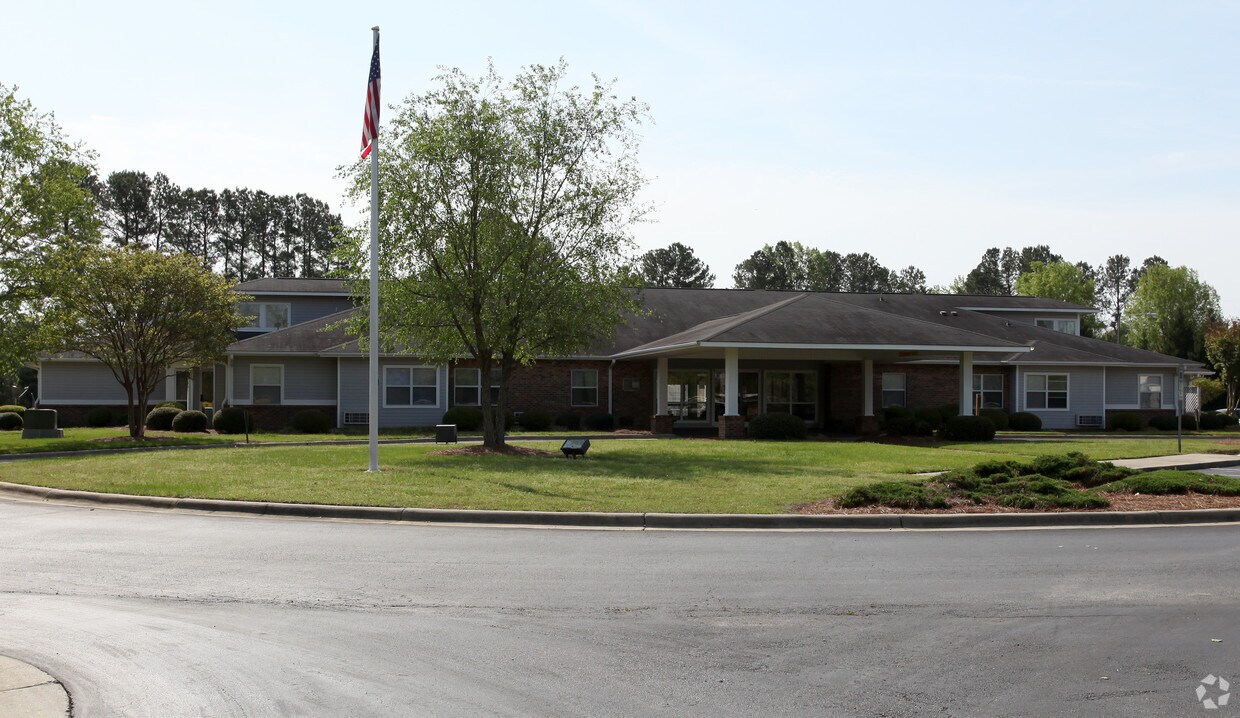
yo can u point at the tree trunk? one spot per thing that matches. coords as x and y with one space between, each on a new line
133 430
492 413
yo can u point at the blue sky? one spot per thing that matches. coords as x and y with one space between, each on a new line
920 132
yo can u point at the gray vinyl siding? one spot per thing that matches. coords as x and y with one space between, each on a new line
355 397
1123 386
307 380
83 382
1085 387
304 309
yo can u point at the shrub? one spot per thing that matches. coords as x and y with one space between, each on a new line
171 404
777 427
896 494
947 411
1056 466
600 422
998 416
1163 422
99 416
10 421
1175 482
909 426
230 420
1024 421
311 421
998 468
572 422
160 418
624 421
969 428
931 417
12 409
1125 422
536 421
1209 421
893 413
189 421
466 418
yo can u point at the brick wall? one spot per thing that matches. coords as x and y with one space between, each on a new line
270 417
547 386
929 386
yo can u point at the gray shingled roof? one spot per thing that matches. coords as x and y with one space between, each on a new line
294 285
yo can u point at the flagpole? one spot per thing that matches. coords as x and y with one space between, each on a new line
374 293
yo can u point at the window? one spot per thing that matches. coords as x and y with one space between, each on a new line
585 387
1150 390
893 390
1046 391
410 386
988 391
496 375
267 384
792 392
687 395
267 315
1067 326
467 390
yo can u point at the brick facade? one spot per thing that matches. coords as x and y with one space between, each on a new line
547 386
274 417
929 386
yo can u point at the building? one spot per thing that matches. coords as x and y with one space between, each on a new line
701 359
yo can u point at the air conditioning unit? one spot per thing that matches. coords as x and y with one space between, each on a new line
1090 421
355 418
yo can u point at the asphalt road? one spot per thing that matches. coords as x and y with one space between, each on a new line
162 614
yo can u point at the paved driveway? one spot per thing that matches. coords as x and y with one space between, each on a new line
158 614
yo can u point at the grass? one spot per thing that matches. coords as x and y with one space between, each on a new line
1100 449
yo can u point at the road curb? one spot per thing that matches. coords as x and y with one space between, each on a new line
580 519
28 691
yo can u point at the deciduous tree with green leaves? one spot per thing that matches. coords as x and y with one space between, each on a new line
675 266
140 313
1059 280
1223 351
1170 311
505 223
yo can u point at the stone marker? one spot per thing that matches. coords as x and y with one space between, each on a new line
40 424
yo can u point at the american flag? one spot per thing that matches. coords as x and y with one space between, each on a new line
370 125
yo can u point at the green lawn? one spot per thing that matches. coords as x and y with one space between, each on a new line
1102 449
654 475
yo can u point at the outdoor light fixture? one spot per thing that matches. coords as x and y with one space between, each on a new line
573 448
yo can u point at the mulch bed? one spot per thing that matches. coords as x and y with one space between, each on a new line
505 450
1119 502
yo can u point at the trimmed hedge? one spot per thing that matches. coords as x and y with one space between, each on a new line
229 420
189 422
931 417
600 422
12 409
10 421
777 427
536 421
969 428
160 418
947 411
572 422
909 426
173 404
1209 421
998 416
311 421
1168 423
466 418
99 417
1126 422
1024 421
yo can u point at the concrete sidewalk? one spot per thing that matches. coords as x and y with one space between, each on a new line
1184 462
28 692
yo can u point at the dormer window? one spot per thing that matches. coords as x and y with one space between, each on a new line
264 316
1067 326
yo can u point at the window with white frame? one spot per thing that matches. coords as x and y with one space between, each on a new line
1046 391
265 316
1067 326
267 383
496 375
410 386
585 387
466 390
988 391
1150 390
893 390
792 392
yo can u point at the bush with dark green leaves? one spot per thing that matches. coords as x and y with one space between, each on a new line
172 404
10 421
100 416
572 422
947 411
1167 422
1174 482
189 422
466 418
909 426
12 409
891 413
160 418
624 421
777 427
998 416
1126 422
1024 421
896 494
1210 421
600 422
230 420
536 421
931 417
310 421
968 428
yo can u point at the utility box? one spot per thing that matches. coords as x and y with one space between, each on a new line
445 433
40 424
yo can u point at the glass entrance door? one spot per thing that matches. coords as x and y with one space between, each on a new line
687 397
749 400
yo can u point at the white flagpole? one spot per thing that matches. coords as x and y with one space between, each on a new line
374 294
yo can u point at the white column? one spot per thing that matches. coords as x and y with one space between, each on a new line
867 387
170 385
660 386
966 383
228 384
191 399
731 382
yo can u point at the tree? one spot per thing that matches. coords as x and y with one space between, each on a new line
909 280
46 207
167 211
996 273
140 313
127 201
675 266
824 270
1222 342
1117 280
864 273
1170 311
781 266
505 221
1062 281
